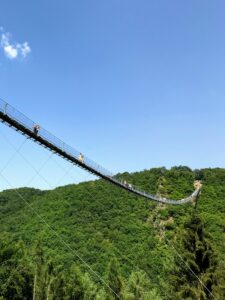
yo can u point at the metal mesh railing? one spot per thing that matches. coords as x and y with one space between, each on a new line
19 117
23 120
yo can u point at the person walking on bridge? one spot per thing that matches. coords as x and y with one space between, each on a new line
81 157
36 129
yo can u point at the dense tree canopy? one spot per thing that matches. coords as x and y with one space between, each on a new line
124 239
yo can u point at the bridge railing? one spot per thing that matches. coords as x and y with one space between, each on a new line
19 117
23 120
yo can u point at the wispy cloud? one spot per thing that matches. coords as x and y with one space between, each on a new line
11 48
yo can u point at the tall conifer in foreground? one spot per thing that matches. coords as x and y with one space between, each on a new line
114 280
197 253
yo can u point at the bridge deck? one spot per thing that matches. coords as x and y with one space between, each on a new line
23 124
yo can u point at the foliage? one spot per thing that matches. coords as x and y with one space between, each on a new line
124 239
199 258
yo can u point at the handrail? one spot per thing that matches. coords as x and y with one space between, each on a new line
14 118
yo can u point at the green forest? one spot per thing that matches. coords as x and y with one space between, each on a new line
95 241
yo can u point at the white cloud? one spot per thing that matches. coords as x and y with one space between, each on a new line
24 48
5 39
11 49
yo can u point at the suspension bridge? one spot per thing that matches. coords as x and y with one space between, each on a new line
21 123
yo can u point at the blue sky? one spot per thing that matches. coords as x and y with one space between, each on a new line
132 84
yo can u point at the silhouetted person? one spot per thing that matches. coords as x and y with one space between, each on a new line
81 157
36 129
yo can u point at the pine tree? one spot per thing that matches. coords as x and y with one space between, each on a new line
39 287
199 257
58 284
114 280
74 284
101 295
139 287
15 275
90 289
42 274
218 287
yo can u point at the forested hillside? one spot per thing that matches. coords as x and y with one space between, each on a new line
54 242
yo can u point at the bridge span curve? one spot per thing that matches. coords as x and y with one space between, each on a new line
17 120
